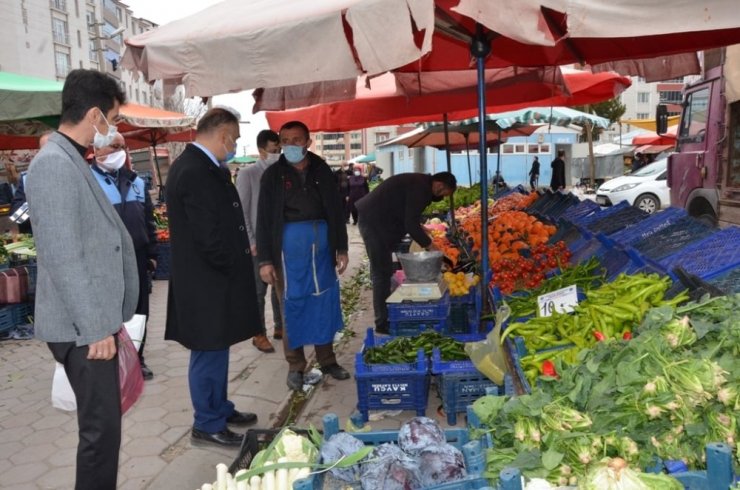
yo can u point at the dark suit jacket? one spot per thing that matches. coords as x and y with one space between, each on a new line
212 301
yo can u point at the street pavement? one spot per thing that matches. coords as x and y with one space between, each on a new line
38 442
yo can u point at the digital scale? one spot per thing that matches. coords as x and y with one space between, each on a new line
418 291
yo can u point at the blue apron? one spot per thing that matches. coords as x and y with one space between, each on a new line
313 314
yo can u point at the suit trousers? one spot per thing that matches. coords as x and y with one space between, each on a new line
96 388
297 357
208 377
142 306
380 256
261 286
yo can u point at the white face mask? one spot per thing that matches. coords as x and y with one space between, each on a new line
271 158
103 140
357 173
112 161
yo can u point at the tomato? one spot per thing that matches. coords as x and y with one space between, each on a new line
548 369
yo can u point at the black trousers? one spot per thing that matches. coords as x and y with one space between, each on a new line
142 306
380 255
96 388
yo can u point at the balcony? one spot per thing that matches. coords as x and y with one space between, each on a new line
60 5
61 37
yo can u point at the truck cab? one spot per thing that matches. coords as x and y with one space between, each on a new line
704 173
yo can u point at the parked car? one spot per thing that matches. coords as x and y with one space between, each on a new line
646 189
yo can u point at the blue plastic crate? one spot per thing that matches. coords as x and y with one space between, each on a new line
614 261
727 281
413 328
391 386
618 221
673 238
590 248
464 313
584 208
649 226
6 318
592 218
162 271
713 255
20 313
416 310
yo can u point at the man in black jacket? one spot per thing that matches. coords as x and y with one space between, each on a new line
389 212
127 192
302 245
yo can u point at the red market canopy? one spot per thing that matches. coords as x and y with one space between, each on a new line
365 111
651 138
144 126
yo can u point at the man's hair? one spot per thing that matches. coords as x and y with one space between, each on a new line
265 136
447 179
214 119
296 124
85 89
561 153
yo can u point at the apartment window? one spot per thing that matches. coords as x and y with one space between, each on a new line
318 147
355 146
533 149
59 29
643 97
123 87
518 148
110 5
62 63
411 152
133 26
380 137
59 5
92 51
81 66
144 97
130 92
119 14
77 8
507 149
137 95
643 115
545 148
401 155
109 29
671 97
90 17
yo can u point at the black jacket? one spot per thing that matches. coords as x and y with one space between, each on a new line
270 215
212 301
394 208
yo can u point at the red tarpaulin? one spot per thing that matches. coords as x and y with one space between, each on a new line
651 138
584 88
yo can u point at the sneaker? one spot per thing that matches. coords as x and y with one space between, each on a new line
278 334
262 343
335 371
295 380
146 373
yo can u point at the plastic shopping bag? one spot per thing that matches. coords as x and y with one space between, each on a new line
129 371
488 354
135 329
62 396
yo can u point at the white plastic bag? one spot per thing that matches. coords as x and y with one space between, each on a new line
135 329
62 396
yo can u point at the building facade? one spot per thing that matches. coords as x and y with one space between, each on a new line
49 38
336 148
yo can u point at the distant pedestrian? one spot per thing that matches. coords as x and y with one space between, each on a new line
19 196
498 181
302 245
87 281
557 182
248 186
534 173
212 302
342 177
639 161
358 188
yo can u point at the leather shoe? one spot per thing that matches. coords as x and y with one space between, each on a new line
383 329
277 334
295 380
262 343
221 438
335 371
241 418
146 373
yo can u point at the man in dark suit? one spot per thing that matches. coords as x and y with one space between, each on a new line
87 280
212 301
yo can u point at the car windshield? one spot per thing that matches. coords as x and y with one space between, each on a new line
652 169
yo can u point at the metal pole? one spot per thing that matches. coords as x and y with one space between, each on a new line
99 41
480 47
498 159
449 169
467 151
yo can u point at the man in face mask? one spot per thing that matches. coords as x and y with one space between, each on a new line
386 215
248 186
127 192
302 245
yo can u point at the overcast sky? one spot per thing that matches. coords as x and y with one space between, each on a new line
165 11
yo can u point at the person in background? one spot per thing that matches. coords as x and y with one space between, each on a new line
358 188
386 215
557 182
19 196
248 186
342 177
639 161
302 245
87 283
498 182
127 193
534 173
212 302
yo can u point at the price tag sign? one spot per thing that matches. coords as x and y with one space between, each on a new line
562 301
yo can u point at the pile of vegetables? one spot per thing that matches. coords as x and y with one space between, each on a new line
523 273
459 283
162 223
608 312
666 393
464 196
403 350
20 244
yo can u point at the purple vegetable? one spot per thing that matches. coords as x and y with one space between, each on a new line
418 433
440 463
389 468
338 446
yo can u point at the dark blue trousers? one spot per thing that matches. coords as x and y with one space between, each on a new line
208 376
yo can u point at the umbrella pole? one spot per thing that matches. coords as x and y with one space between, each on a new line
480 47
498 158
449 169
467 151
160 193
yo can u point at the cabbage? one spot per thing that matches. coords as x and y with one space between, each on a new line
389 468
418 433
613 474
338 446
440 463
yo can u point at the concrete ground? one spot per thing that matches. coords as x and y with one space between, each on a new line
38 442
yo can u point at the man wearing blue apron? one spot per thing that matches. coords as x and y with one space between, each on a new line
302 245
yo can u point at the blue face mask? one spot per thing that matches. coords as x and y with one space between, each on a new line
294 153
230 155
